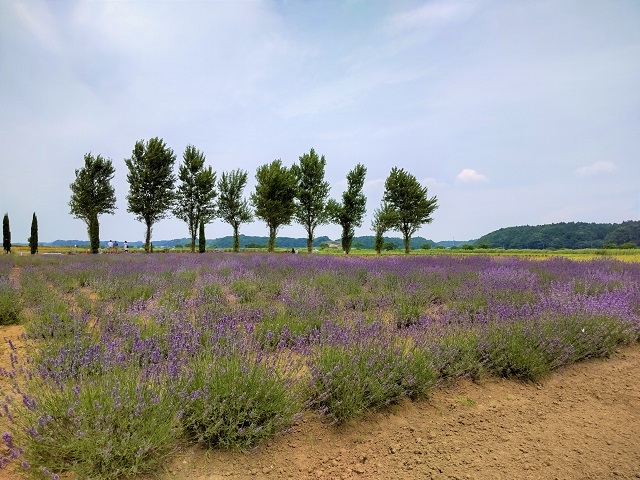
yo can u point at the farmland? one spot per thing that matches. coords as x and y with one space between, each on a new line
127 358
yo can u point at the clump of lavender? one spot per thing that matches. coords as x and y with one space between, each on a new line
115 425
234 399
365 372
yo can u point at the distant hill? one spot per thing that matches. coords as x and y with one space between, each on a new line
572 235
556 235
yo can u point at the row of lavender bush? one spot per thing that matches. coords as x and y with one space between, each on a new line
128 356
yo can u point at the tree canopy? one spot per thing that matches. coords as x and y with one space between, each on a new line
33 238
92 195
312 193
232 207
410 202
573 235
196 192
384 218
6 234
151 183
274 197
349 213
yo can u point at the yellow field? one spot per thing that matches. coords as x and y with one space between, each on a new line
626 255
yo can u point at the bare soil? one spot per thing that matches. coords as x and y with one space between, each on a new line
582 422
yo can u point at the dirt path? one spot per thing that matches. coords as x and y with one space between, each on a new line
580 423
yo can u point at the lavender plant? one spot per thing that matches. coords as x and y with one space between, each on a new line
235 400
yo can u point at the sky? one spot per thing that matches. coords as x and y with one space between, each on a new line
510 112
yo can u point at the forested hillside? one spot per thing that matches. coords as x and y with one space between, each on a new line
565 235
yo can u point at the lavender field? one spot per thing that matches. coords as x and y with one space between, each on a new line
125 357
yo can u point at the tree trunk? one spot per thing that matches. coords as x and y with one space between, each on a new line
94 234
310 241
378 242
202 240
406 244
147 238
236 237
347 238
193 242
272 238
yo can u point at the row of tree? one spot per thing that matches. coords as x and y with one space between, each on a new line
6 234
282 194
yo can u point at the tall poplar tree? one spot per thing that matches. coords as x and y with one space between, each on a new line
349 213
312 194
6 234
232 207
383 219
33 239
151 183
92 195
274 197
410 202
196 193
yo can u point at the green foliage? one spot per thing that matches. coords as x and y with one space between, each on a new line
311 193
350 212
283 329
389 246
236 401
574 235
93 195
457 354
352 379
426 246
107 427
514 351
6 234
383 219
588 337
10 308
196 193
33 239
410 202
151 181
232 207
274 197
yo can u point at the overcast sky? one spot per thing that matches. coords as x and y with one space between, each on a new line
510 112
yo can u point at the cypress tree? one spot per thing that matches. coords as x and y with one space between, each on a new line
6 234
202 241
33 239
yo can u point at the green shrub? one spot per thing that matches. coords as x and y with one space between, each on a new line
515 351
348 380
108 427
458 354
10 309
234 401
572 339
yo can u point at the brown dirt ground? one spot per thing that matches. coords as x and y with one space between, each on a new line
582 422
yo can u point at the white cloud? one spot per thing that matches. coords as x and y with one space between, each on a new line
596 169
469 175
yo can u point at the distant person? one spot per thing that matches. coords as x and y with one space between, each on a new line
109 246
115 246
125 246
